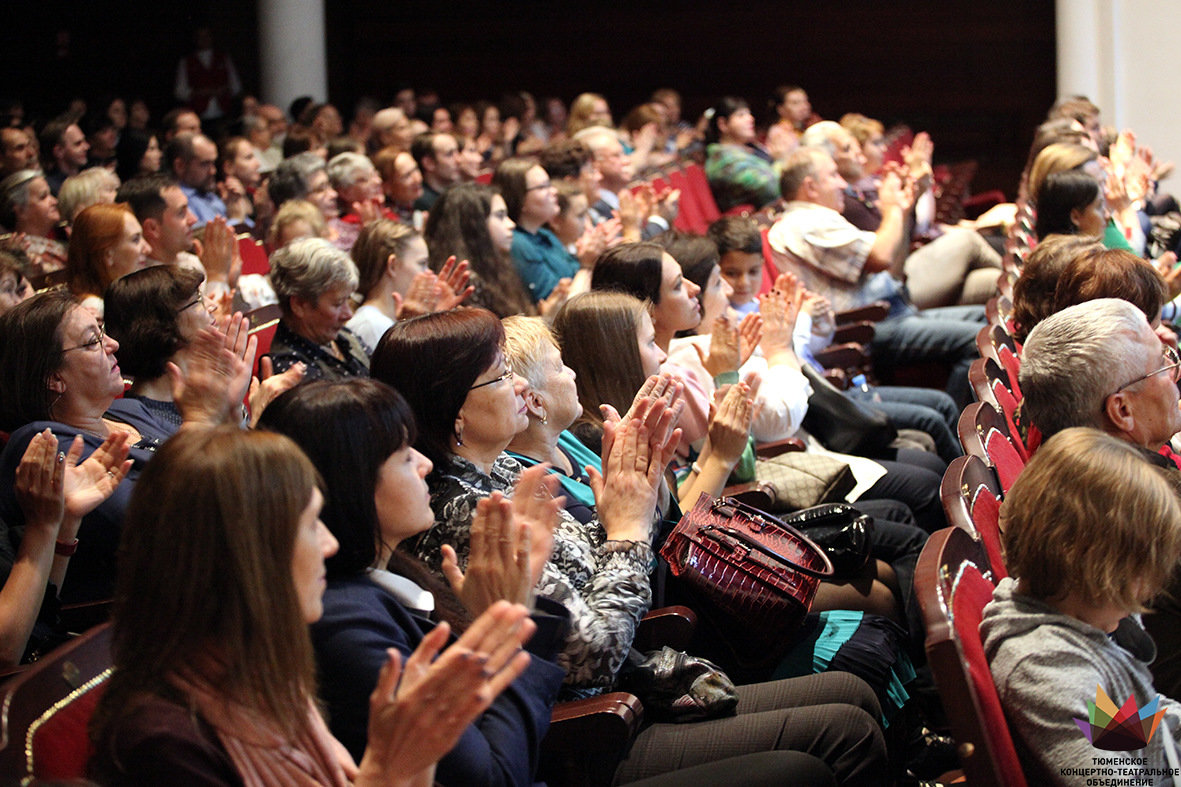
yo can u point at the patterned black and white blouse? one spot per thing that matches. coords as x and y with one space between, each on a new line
288 348
604 584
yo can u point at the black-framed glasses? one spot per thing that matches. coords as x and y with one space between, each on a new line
97 341
199 299
1173 367
508 373
545 185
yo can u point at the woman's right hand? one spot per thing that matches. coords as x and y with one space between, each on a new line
729 429
40 482
510 543
636 452
416 715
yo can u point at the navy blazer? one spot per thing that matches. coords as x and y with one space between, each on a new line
361 620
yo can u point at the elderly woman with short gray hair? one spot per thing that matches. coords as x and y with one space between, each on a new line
314 282
359 196
29 210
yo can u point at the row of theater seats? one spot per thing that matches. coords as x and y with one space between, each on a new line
960 565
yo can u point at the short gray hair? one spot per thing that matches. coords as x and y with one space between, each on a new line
596 138
347 169
80 191
1073 360
822 135
308 268
14 192
290 179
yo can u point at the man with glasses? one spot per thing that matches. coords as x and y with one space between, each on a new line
1100 364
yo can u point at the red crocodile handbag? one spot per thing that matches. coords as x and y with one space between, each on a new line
751 574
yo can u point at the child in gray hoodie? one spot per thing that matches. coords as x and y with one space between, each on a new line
1091 532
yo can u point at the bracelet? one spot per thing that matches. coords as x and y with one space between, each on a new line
65 548
696 468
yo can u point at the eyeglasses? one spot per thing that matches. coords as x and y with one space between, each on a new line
1173 367
192 303
508 373
545 185
97 341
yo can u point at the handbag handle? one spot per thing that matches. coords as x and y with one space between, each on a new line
750 543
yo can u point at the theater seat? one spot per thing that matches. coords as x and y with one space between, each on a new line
45 711
971 497
952 588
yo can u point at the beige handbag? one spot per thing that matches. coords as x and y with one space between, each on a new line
801 480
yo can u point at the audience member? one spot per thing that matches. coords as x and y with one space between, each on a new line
29 209
314 282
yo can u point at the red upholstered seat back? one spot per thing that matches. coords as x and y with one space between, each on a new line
699 185
769 269
969 595
61 744
952 589
986 516
45 710
254 256
1004 458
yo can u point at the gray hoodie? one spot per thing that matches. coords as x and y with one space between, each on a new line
1046 666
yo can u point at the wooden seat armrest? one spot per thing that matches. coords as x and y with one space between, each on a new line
777 447
838 378
588 738
874 312
843 356
758 494
860 332
672 626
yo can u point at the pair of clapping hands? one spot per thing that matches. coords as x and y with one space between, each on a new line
511 540
733 342
216 375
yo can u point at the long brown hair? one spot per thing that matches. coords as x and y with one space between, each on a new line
205 577
597 332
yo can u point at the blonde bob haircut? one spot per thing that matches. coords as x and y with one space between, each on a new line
524 340
1058 157
1089 515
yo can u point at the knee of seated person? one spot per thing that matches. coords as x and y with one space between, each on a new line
854 693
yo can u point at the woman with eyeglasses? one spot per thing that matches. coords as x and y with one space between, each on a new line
541 259
468 405
60 372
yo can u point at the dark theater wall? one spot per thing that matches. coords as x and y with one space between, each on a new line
978 75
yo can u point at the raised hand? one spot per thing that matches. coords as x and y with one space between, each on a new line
724 354
635 453
268 385
39 482
510 543
780 308
453 284
556 297
417 714
218 252
88 484
216 374
421 296
729 425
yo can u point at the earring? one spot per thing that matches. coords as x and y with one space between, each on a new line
56 399
544 417
459 437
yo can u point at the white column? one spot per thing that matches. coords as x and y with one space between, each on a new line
1081 39
292 53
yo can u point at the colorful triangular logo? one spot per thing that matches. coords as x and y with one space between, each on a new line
1120 729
